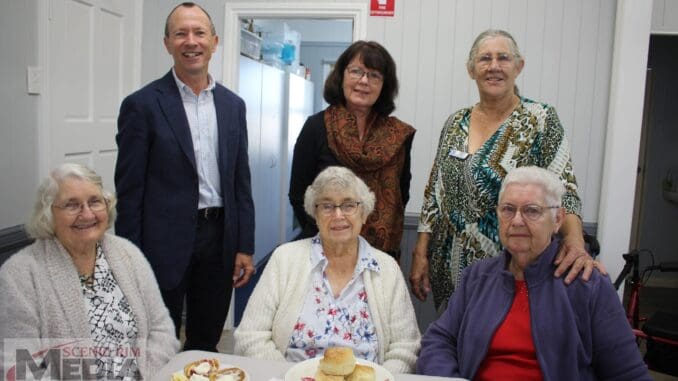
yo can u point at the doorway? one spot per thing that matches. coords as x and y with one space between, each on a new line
276 155
656 207
357 12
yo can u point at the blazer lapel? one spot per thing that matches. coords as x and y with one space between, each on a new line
224 126
173 108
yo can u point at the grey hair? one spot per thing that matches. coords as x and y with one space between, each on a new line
41 222
548 181
490 33
189 4
339 179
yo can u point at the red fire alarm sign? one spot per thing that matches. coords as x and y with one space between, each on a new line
382 7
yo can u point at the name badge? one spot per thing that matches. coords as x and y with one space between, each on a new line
458 154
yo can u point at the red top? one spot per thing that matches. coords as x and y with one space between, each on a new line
511 355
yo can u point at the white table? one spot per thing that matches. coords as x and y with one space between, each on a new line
259 370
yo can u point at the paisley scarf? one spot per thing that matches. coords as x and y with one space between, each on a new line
378 160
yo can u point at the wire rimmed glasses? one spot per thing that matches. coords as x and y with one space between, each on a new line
74 207
347 208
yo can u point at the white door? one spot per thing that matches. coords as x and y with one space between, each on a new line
91 66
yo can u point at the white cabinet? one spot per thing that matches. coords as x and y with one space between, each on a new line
262 88
299 108
278 104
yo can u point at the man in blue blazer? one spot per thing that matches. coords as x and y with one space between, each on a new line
183 181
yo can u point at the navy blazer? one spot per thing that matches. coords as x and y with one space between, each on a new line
157 182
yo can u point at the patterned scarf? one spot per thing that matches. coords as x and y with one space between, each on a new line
378 160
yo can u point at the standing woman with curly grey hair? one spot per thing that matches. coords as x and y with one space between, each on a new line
333 289
76 282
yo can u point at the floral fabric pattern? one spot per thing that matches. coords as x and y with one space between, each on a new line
112 321
326 321
462 192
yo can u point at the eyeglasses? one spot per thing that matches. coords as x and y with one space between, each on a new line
507 212
503 59
74 208
347 208
356 74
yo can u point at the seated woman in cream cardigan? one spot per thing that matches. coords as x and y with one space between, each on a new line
79 288
333 289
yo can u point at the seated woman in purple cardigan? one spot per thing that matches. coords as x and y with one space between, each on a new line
510 317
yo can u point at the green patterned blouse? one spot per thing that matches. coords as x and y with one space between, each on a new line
462 192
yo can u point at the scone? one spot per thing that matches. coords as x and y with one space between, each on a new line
362 373
337 361
321 376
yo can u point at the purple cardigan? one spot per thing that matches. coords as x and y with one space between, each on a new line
580 331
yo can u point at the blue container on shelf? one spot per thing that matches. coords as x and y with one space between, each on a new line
287 54
271 52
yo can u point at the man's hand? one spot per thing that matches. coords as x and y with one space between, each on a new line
243 269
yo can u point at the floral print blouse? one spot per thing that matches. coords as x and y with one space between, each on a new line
463 189
112 322
326 321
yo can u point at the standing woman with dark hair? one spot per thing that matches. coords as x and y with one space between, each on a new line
357 132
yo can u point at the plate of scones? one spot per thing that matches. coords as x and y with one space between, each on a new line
338 364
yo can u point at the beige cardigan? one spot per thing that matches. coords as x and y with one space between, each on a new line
41 298
277 300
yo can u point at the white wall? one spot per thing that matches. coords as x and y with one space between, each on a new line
18 111
665 17
567 46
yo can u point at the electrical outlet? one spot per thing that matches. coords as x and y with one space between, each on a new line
34 79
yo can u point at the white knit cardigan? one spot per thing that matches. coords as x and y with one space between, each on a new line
41 297
278 298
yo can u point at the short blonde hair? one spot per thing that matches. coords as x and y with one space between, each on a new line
339 179
41 222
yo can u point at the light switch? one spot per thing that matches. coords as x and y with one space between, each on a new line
34 79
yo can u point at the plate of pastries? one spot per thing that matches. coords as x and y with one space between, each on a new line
338 364
209 370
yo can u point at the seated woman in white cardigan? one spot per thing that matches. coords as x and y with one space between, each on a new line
333 289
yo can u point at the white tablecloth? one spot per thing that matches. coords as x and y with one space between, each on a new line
258 370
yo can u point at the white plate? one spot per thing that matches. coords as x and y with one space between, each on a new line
222 366
309 367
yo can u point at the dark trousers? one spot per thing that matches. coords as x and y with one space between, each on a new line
206 286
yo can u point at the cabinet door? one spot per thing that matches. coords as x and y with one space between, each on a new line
270 165
299 108
249 89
